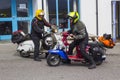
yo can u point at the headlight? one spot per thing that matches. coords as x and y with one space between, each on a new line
49 41
55 30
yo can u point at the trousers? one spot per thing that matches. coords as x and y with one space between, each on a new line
36 41
82 46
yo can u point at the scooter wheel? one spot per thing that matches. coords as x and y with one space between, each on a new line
53 60
99 62
25 55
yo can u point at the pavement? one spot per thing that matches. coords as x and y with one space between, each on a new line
14 67
5 41
115 50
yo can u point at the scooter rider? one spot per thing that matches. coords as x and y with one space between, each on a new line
79 33
37 31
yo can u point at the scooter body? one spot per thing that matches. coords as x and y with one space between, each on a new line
26 46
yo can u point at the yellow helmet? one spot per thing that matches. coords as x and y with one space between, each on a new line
74 15
38 13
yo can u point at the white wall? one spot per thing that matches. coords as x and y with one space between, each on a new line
105 16
37 4
88 15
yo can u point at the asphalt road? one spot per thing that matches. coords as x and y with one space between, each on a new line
14 67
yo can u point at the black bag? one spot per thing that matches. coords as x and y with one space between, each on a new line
107 36
17 37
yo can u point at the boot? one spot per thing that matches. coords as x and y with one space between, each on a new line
92 65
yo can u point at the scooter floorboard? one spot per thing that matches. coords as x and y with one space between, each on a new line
75 58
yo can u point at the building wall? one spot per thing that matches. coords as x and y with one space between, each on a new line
105 16
37 4
88 16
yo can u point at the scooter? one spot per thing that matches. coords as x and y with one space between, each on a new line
26 45
60 53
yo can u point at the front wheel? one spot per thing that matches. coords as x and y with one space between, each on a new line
53 60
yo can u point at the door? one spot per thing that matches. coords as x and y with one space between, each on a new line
116 20
16 15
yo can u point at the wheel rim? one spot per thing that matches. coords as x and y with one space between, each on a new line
24 54
49 41
54 59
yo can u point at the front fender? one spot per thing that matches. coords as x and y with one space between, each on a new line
61 53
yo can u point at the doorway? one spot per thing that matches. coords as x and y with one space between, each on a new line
116 20
16 15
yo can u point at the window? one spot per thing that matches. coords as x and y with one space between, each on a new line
5 10
5 27
58 9
22 8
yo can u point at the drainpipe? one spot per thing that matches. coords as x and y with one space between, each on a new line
114 20
57 13
97 17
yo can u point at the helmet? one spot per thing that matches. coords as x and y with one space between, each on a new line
39 13
74 15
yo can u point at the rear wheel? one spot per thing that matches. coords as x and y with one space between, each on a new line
98 62
23 54
99 59
53 60
97 55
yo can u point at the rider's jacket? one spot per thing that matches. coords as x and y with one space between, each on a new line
38 27
79 30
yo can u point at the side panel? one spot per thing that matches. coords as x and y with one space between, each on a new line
62 54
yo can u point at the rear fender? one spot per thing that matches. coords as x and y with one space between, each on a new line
26 48
61 53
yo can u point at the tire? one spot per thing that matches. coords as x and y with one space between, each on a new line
97 56
53 60
25 55
100 53
98 62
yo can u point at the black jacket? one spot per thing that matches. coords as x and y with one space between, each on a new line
38 27
79 30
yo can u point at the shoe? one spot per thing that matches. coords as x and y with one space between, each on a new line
37 59
92 66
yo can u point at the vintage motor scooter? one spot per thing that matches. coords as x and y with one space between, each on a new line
26 46
60 52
